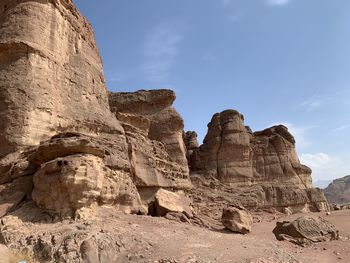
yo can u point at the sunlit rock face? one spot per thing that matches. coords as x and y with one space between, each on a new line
56 126
51 76
262 168
154 132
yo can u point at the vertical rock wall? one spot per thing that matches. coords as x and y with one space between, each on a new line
258 169
51 74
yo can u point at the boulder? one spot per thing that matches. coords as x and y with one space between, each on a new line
237 219
166 201
306 230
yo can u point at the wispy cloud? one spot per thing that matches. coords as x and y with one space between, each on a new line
317 160
277 2
341 128
160 50
313 103
325 166
299 133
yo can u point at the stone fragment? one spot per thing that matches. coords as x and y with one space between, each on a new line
237 219
306 230
89 252
166 201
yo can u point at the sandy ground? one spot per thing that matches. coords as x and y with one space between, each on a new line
327 252
192 244
150 239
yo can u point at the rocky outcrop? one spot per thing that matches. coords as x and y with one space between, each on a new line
258 169
154 133
237 219
51 76
338 192
166 125
191 143
306 230
60 144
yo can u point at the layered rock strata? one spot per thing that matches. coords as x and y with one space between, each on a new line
51 74
258 169
60 144
154 133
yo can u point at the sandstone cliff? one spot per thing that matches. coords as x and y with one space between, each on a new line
69 149
50 68
60 144
258 169
338 192
154 134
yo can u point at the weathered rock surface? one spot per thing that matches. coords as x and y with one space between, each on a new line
306 230
259 169
69 164
154 133
191 143
12 194
166 125
77 171
338 192
56 125
51 76
237 219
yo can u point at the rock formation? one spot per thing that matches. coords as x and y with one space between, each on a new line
51 74
71 150
258 169
60 144
338 192
154 133
190 140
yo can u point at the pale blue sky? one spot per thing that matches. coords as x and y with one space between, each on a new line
275 61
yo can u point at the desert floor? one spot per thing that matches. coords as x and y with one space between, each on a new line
150 239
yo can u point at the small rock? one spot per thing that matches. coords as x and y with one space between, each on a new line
237 219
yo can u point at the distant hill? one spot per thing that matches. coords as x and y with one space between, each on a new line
322 183
339 191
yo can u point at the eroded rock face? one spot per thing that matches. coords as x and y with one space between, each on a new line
154 133
77 171
166 125
51 76
56 125
191 143
258 169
